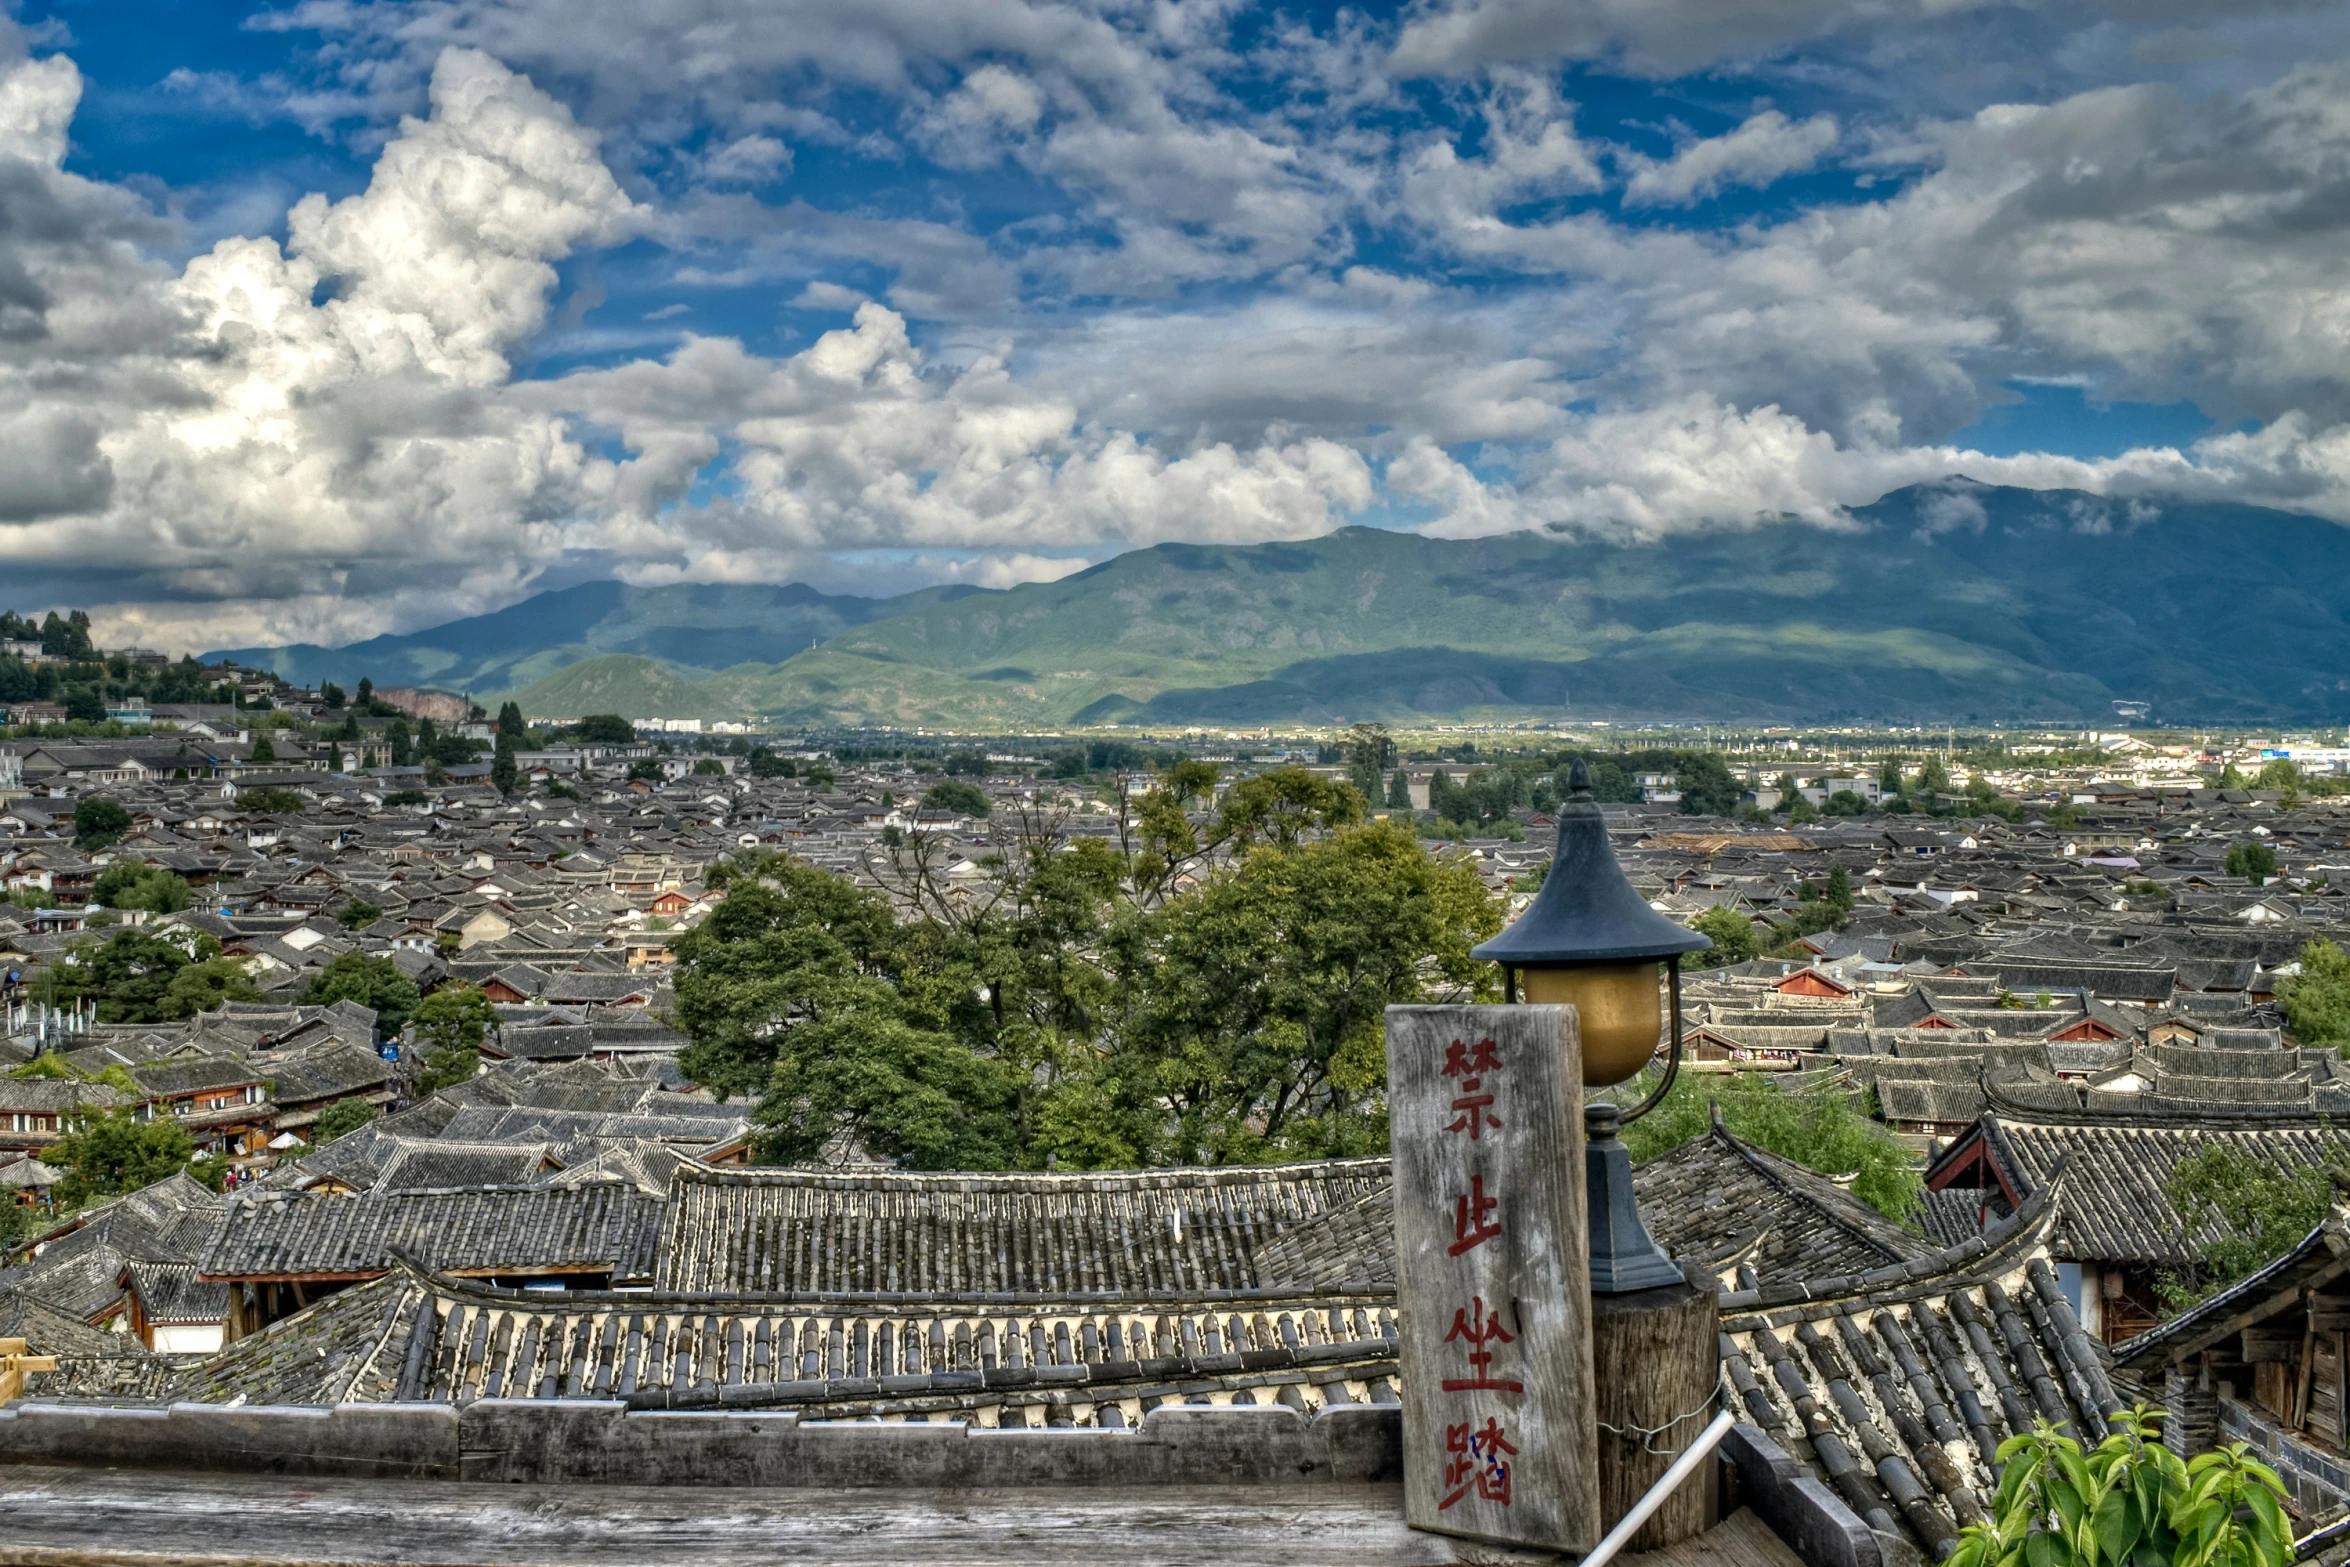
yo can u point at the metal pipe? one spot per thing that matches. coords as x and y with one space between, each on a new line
1654 1498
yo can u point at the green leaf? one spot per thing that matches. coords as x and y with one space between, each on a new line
2115 1528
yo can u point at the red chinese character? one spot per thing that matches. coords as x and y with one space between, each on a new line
1462 1061
1470 1227
1476 1458
1472 1326
1470 1067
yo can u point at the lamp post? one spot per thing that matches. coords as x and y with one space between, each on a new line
1591 940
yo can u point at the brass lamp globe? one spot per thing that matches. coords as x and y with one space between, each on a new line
1591 941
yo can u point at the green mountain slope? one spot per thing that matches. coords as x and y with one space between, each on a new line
1945 603
696 627
1954 602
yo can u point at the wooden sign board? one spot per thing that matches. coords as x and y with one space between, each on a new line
1493 1274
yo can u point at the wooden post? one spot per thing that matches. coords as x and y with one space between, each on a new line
1493 1275
15 1363
1659 1361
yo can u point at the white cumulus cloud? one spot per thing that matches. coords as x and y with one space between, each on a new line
1767 147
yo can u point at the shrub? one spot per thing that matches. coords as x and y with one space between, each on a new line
2130 1502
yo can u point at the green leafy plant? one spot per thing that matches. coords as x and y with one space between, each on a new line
2129 1501
1825 1128
271 800
342 1118
2251 1208
2256 862
450 1026
2317 1000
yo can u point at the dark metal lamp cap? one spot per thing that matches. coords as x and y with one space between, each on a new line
1587 912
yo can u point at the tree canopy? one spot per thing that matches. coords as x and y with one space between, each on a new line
136 976
110 1152
2248 1209
372 982
1189 993
342 1118
2317 1000
1825 1128
98 821
133 884
451 1023
953 794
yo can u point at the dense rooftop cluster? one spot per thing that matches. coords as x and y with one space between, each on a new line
2049 1016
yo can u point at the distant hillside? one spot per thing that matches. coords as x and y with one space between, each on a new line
691 627
1959 602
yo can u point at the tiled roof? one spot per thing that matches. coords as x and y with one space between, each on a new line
603 1228
1137 1233
412 1335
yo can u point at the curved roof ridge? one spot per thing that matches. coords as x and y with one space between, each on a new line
917 1180
2001 1249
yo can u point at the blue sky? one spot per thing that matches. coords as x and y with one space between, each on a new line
333 318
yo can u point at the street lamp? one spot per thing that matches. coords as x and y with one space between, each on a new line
1590 940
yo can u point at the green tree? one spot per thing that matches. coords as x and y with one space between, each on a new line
264 750
789 943
1826 1127
1733 937
342 1118
1838 892
371 982
1933 778
604 729
2242 1211
505 771
1707 789
202 987
2279 774
2317 1000
451 1023
358 914
1399 790
272 800
98 821
1368 750
1889 783
110 1152
510 721
1282 806
709 767
132 884
867 1077
2127 1502
331 697
135 976
953 794
2254 861
1261 1020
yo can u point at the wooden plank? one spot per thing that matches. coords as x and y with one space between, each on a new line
1493 1274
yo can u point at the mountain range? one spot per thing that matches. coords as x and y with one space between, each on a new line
1955 602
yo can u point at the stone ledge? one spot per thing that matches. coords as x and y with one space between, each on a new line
592 1442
